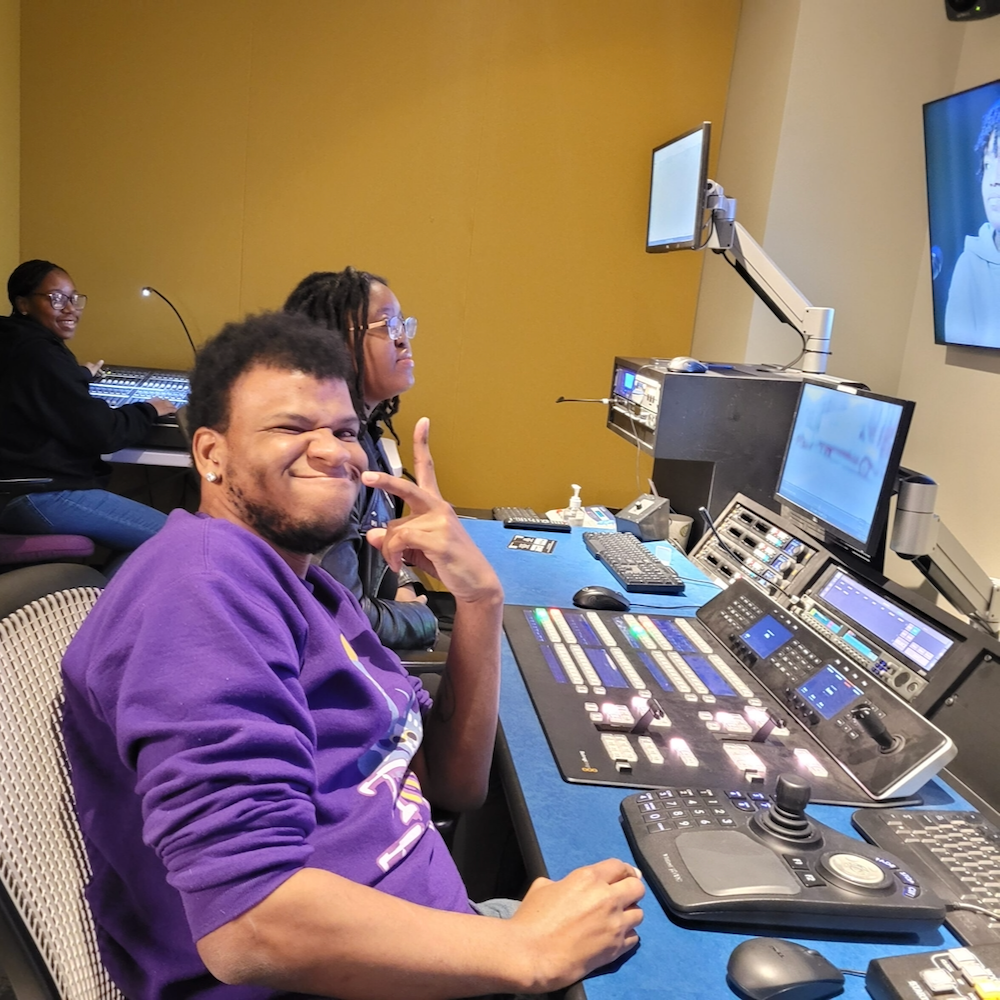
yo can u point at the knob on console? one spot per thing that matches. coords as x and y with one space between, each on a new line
786 820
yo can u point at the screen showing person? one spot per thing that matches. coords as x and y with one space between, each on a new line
962 144
841 461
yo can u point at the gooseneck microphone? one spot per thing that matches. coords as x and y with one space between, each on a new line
149 290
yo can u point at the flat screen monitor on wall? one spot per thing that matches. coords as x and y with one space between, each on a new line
962 146
841 464
677 192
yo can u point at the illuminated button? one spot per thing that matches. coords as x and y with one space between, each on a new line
618 715
639 632
683 751
625 666
649 627
810 763
691 632
590 675
597 623
560 623
572 671
618 747
678 682
651 750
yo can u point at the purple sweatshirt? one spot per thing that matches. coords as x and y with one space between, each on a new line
227 725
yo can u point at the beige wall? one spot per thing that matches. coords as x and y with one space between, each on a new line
839 196
490 157
954 437
10 139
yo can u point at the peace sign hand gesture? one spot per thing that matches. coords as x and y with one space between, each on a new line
431 537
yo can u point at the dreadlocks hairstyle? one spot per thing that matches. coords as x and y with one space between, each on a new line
339 301
26 277
989 135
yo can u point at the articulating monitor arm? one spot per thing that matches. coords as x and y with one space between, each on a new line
813 323
919 535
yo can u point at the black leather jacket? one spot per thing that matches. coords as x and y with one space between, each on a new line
361 568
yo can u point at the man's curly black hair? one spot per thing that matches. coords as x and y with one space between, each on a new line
989 135
281 340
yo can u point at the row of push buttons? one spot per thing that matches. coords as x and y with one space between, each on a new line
689 808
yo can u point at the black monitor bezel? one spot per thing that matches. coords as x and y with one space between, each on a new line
824 531
693 243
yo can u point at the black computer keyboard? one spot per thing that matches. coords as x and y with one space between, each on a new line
527 519
632 564
956 854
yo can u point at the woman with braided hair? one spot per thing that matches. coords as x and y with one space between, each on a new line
360 308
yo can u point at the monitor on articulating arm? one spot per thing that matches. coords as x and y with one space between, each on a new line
841 465
677 192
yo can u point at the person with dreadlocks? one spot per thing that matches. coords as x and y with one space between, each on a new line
362 310
52 431
972 315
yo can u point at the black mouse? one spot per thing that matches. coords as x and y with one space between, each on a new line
772 968
600 599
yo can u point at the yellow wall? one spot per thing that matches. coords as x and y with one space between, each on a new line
490 157
10 139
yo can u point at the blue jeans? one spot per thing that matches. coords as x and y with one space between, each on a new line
116 522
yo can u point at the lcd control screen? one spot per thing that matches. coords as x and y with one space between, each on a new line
897 628
829 692
766 636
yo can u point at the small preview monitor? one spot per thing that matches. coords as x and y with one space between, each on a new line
841 463
677 192
962 148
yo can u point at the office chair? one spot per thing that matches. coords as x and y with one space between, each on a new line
20 550
48 944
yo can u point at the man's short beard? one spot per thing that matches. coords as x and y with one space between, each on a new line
300 538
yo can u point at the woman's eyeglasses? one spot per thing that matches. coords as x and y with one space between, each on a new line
59 299
396 327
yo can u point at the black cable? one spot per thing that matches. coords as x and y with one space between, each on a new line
149 288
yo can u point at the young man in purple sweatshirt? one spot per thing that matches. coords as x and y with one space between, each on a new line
253 769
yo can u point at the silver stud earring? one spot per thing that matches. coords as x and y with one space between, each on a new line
211 477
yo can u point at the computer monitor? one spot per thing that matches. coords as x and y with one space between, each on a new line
841 464
962 147
677 192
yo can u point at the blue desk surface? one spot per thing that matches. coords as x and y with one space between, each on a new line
578 824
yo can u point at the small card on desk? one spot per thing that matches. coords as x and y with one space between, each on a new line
528 544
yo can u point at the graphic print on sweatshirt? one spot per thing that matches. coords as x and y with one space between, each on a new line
386 765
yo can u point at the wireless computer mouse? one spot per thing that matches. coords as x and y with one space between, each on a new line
683 363
600 599
774 969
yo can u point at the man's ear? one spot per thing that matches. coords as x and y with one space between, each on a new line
208 450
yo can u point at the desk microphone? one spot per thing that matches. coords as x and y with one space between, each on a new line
149 290
565 399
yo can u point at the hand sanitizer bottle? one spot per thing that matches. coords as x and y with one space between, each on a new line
574 513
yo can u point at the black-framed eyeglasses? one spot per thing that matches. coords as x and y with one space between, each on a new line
59 299
396 327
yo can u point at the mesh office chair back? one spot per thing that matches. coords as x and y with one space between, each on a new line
50 948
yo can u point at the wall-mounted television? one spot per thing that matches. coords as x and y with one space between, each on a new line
962 147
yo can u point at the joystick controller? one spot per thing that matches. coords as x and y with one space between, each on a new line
786 821
741 860
873 725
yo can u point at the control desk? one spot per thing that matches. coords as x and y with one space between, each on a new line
563 825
